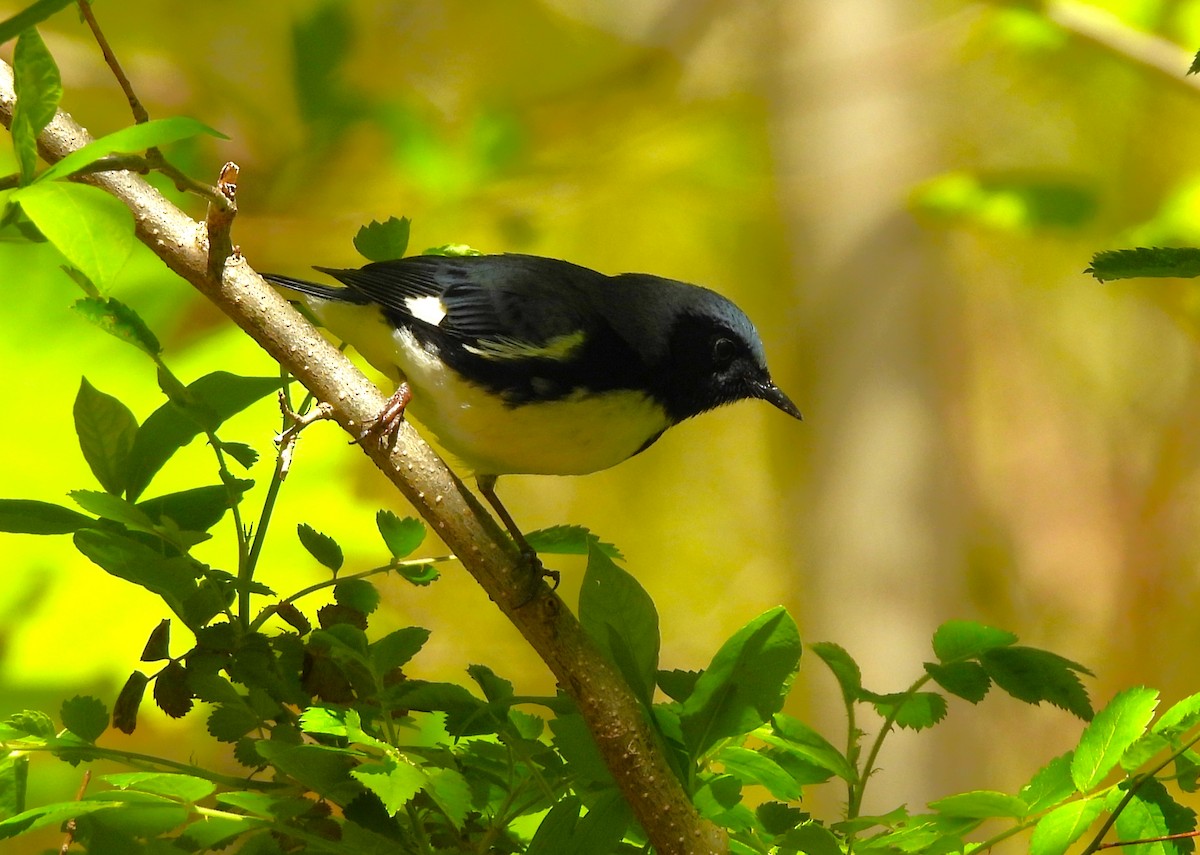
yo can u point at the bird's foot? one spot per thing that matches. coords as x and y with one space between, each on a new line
384 429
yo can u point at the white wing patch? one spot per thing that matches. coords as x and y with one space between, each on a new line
428 308
558 348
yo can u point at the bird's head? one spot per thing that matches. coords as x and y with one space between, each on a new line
707 351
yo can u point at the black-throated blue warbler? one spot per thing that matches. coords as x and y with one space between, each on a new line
523 364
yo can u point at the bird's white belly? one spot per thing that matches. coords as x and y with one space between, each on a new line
579 434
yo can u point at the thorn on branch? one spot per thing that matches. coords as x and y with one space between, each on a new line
220 220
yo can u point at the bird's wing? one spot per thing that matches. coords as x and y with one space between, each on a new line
511 303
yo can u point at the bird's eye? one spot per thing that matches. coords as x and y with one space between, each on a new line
723 351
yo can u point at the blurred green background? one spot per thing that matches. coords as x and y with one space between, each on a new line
902 195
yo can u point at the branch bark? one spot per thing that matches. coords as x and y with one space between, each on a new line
630 748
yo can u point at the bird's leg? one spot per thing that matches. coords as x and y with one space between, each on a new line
385 427
487 487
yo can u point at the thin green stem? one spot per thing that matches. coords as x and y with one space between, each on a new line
268 508
414 818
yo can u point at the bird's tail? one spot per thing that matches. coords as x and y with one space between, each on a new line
312 289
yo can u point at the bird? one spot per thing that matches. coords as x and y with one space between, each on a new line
523 364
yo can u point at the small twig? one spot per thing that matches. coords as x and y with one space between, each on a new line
220 221
70 838
139 112
1183 835
287 438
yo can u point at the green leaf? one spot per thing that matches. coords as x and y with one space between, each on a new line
1152 813
125 710
968 680
557 829
1051 785
603 826
171 692
570 540
450 791
242 453
321 546
1063 826
402 536
677 684
745 684
105 428
1180 717
216 396
93 230
39 89
135 138
118 320
383 241
86 717
358 594
396 648
323 769
914 711
213 833
171 785
50 815
230 722
110 507
752 767
1153 262
801 739
29 16
495 688
981 804
1195 66
394 781
812 839
1112 731
14 783
1033 676
619 616
420 575
28 516
197 509
964 639
844 668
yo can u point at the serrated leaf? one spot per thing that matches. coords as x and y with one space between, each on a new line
451 793
677 684
495 688
402 536
118 320
557 828
396 648
357 594
171 785
981 804
915 711
50 815
620 617
1051 785
230 722
106 428
843 666
321 546
420 575
813 839
1149 262
216 396
1110 733
1195 66
92 229
384 241
38 88
1033 676
125 710
28 516
1063 826
135 138
86 717
602 827
753 767
745 683
394 781
1152 813
1179 717
171 692
965 639
968 680
570 540
241 452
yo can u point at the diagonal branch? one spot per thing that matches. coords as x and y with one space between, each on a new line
613 715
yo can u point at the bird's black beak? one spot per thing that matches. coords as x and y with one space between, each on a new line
772 394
